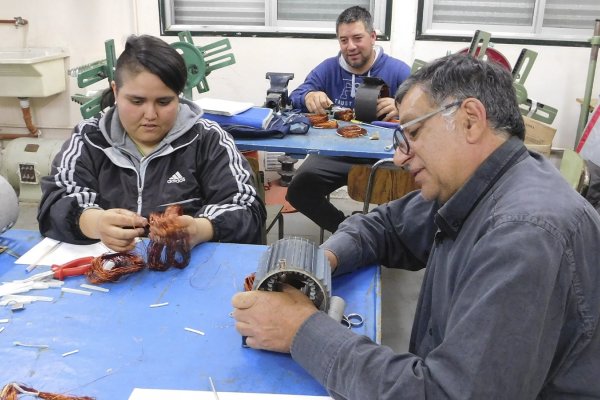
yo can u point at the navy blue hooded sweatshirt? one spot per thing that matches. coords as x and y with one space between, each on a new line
334 78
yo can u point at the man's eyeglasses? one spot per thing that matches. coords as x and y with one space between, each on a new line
400 140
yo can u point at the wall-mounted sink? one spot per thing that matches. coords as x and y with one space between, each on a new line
32 72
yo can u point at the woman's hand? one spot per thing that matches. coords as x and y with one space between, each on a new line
198 230
117 228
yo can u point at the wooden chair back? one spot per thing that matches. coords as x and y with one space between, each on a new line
388 182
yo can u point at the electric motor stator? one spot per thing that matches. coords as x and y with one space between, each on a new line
299 263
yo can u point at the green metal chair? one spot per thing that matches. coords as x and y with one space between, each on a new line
574 170
274 211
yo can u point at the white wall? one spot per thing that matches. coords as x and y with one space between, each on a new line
557 78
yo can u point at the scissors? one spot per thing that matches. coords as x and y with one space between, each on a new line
8 251
352 320
76 267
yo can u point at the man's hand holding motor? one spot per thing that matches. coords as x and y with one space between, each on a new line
270 320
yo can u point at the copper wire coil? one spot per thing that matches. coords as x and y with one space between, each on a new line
351 131
13 391
317 118
123 264
169 246
249 282
344 115
161 257
331 124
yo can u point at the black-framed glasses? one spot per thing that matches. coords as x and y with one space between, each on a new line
400 141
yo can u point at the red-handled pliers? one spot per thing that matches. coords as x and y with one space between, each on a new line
76 267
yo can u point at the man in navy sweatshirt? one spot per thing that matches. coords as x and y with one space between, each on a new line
334 81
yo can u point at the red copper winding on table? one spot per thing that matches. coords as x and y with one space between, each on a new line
331 124
111 267
344 115
321 121
351 131
169 243
249 281
12 391
317 118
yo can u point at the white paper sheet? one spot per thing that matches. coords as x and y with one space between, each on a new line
42 253
222 107
159 394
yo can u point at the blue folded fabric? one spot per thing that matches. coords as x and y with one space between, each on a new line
280 125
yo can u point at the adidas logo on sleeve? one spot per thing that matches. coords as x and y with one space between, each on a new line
176 178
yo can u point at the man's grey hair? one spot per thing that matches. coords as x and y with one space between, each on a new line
355 14
460 76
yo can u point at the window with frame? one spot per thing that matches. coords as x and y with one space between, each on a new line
301 18
543 21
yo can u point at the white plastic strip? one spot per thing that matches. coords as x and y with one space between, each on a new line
38 346
76 291
68 353
94 287
194 331
159 305
12 299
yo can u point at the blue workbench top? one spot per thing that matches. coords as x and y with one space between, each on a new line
123 343
327 142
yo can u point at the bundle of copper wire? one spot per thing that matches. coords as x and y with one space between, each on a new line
351 131
331 124
169 243
111 267
317 118
322 121
249 281
346 114
13 391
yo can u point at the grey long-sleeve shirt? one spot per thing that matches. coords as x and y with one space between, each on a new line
510 301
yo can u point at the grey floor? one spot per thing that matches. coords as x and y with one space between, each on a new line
399 288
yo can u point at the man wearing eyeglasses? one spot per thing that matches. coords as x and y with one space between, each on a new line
510 302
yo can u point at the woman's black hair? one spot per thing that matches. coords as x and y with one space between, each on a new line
148 53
